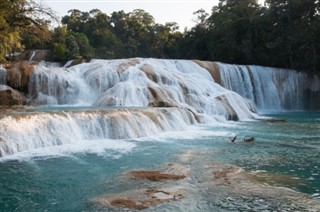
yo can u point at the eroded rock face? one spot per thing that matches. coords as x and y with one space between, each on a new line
18 75
212 68
10 97
33 55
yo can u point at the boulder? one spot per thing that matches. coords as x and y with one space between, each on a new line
212 68
18 75
33 55
10 97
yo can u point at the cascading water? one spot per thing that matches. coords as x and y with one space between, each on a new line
136 82
3 76
100 121
269 88
25 132
184 86
55 85
32 56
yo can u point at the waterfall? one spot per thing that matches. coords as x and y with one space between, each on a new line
32 55
54 85
138 82
3 76
269 88
25 132
172 94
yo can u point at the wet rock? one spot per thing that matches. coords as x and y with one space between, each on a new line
33 55
155 175
274 120
208 186
212 68
18 75
167 172
142 198
231 113
10 97
160 98
126 64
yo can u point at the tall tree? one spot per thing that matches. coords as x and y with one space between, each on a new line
294 28
18 16
233 30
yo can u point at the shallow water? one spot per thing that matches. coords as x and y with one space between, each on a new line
69 178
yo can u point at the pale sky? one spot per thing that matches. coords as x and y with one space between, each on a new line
180 11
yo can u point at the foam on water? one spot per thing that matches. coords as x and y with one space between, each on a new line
197 132
36 130
100 147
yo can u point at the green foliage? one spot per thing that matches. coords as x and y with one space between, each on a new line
133 34
282 34
72 47
59 53
17 17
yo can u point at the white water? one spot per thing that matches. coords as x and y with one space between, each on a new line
4 87
186 93
269 88
32 55
114 148
3 76
68 64
185 89
138 82
26 132
55 85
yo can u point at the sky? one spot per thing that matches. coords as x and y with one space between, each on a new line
180 11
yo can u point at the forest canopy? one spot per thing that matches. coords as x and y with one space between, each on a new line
281 33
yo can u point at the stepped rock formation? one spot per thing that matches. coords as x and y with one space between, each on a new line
137 82
21 131
191 92
268 88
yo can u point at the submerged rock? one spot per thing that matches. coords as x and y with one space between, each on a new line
167 172
142 198
208 186
155 175
273 120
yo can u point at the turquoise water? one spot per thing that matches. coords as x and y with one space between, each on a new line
70 181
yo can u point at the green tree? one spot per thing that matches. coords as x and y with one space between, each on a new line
233 31
73 47
194 44
293 39
59 53
18 16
